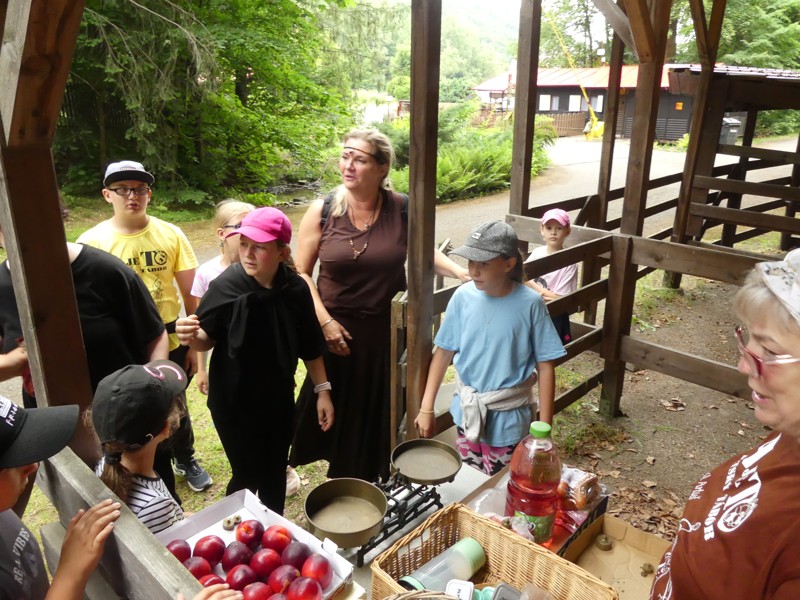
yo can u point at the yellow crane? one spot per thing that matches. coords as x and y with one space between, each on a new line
594 128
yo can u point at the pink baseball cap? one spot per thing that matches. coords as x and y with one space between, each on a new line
265 225
558 215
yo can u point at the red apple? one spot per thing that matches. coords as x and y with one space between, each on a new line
276 537
317 567
249 532
257 591
278 597
304 588
198 566
281 577
180 549
212 579
236 553
295 554
264 562
240 576
211 548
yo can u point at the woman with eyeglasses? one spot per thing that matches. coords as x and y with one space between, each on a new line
740 532
359 235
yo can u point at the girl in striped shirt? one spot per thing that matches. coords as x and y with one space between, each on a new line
134 409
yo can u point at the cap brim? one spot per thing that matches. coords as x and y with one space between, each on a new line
142 176
254 233
475 254
46 432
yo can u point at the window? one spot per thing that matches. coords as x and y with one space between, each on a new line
544 102
574 103
597 103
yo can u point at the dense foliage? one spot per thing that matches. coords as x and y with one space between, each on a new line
472 160
210 95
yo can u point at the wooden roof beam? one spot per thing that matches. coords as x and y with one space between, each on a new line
619 22
642 29
39 38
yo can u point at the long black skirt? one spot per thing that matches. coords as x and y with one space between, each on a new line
358 443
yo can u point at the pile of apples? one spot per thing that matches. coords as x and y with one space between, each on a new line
260 563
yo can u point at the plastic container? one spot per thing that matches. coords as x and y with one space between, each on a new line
532 490
460 561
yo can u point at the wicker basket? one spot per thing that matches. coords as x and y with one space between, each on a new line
509 558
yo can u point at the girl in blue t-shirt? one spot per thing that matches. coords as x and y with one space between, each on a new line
499 336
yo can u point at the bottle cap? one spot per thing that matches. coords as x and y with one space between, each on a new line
409 583
540 429
472 551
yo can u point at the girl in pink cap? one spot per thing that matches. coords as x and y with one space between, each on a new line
554 229
259 317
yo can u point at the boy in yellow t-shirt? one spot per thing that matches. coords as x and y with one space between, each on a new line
159 253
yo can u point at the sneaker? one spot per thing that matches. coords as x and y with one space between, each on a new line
292 482
196 476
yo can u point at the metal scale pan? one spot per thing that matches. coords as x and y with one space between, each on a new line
426 462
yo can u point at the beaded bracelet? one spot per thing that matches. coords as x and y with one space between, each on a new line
322 387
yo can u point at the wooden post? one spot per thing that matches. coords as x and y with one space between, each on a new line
791 207
426 26
617 322
37 53
530 24
648 89
735 200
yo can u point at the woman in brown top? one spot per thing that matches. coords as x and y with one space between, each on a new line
359 234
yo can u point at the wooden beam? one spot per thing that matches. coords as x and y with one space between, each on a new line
687 367
642 30
747 218
426 26
609 133
791 208
618 20
715 29
747 187
766 94
137 565
777 156
711 264
37 53
42 277
700 31
530 23
648 91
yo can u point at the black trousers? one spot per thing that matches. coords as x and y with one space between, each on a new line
183 438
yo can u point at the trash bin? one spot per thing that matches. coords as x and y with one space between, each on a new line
730 130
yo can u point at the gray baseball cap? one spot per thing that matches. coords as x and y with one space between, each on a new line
489 240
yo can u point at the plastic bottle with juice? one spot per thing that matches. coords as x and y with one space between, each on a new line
532 490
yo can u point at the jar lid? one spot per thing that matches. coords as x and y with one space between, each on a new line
472 551
540 429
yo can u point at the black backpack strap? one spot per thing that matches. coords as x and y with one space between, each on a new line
326 209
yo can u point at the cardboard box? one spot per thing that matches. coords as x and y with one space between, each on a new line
247 505
621 566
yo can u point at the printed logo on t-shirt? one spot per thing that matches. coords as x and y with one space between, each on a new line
148 261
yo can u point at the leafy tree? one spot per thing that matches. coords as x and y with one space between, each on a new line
210 94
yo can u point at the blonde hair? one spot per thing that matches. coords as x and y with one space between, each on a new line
229 208
754 299
116 477
382 152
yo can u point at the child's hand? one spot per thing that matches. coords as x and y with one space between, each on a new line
325 410
186 329
201 379
425 424
85 539
215 592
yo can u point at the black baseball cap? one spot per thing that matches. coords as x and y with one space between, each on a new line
131 404
30 435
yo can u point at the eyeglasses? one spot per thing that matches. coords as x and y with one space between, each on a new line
755 363
126 191
232 226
